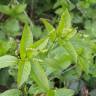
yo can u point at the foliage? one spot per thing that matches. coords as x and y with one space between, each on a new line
50 61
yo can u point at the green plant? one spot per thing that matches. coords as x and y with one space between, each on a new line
10 26
63 54
32 54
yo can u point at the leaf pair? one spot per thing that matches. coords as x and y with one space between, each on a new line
26 65
26 41
13 10
64 29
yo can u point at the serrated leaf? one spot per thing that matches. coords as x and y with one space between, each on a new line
68 34
64 92
39 76
52 35
65 22
26 41
50 29
40 44
71 50
48 26
37 47
7 60
24 69
11 92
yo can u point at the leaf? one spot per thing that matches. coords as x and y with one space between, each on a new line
24 69
50 29
64 92
61 5
51 93
11 27
18 9
11 92
22 17
59 63
71 50
68 34
7 60
26 41
90 28
37 47
34 89
84 65
5 9
52 35
39 76
14 10
48 26
58 59
65 22
4 49
40 44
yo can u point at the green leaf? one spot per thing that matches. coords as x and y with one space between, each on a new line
71 50
34 89
40 44
65 23
52 35
37 47
5 9
26 41
7 60
11 92
50 93
48 26
23 18
58 59
84 65
50 29
39 76
24 69
14 10
11 27
64 92
59 63
68 34
18 9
